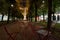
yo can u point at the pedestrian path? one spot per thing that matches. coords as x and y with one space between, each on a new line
17 31
20 30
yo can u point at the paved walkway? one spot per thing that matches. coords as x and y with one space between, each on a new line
20 30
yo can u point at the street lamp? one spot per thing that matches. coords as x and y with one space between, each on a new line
12 5
43 1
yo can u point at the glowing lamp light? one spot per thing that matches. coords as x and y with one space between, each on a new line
24 12
43 1
12 5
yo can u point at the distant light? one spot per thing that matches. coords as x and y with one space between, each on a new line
21 8
12 5
43 1
59 14
24 12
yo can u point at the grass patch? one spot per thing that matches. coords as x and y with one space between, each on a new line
43 23
57 26
56 32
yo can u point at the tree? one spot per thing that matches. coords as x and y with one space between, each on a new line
55 4
31 10
10 2
53 8
49 15
3 8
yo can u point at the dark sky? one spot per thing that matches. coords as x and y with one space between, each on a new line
12 1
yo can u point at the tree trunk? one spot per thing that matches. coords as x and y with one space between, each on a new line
58 18
54 18
31 18
54 12
49 13
30 10
13 18
8 15
2 16
49 16
43 16
53 9
35 12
